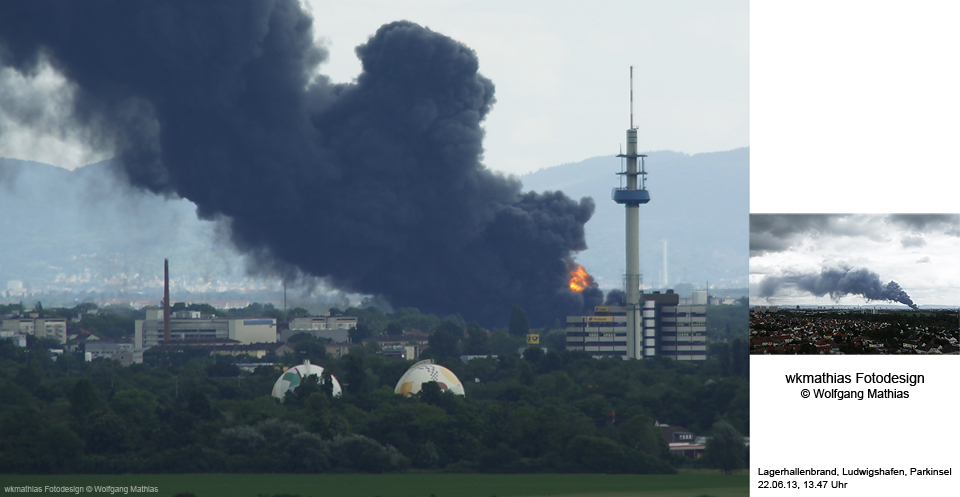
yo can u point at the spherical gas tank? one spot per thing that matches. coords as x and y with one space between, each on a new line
423 372
291 379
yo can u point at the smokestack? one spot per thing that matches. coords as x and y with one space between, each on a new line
166 302
665 275
632 196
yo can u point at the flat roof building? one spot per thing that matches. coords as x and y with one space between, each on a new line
122 352
336 328
191 328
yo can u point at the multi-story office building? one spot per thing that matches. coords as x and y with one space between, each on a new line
658 327
605 334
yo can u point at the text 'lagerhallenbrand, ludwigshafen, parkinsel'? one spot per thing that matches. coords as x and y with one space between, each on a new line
870 472
860 378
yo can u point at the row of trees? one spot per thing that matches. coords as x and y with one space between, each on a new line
185 411
554 411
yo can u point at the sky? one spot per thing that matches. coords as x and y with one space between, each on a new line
561 73
919 252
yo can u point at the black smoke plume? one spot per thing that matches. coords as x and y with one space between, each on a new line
615 297
838 282
377 185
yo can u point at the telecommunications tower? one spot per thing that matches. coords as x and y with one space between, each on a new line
631 196
646 324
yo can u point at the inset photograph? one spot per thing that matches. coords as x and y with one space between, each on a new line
854 283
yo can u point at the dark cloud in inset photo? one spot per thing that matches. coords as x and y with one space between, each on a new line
912 241
928 223
781 232
786 225
761 243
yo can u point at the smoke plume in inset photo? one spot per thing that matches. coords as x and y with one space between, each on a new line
897 260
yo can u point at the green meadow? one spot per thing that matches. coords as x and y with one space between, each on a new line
399 485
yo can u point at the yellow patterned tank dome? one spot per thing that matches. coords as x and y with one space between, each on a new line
426 371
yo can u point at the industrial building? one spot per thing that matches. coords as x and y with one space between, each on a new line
643 325
165 328
190 328
336 328
399 349
124 353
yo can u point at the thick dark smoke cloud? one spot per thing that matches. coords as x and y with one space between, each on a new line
838 282
377 185
615 297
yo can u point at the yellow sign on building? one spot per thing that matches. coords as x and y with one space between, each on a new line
599 319
601 308
533 339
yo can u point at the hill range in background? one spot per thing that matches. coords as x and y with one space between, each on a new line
86 232
698 203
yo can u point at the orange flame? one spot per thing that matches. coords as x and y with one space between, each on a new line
579 279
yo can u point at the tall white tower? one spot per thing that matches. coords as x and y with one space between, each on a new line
631 196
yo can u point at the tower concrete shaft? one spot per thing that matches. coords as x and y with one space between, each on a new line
632 282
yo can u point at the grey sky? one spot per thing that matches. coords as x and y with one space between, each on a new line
561 73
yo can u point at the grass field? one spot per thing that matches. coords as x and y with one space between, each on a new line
693 484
